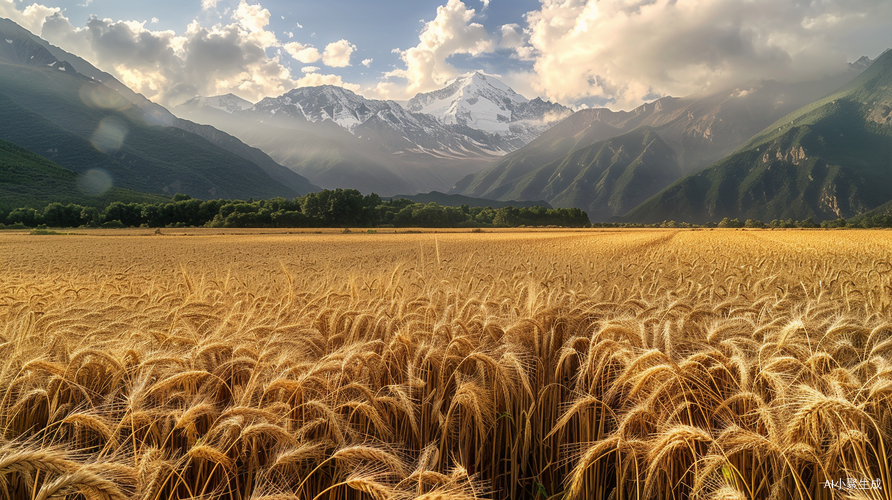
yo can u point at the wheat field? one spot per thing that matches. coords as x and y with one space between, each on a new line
650 364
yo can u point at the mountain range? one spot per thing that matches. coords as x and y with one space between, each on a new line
337 138
818 149
607 162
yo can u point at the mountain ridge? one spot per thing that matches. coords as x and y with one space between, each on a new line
30 180
151 112
699 129
831 158
78 122
483 102
338 138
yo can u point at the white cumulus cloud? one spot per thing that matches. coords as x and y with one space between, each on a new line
515 39
255 19
631 50
337 54
31 17
303 53
367 62
170 68
309 69
451 32
512 36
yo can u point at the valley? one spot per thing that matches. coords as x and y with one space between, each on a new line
695 159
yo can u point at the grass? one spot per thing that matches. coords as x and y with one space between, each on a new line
614 364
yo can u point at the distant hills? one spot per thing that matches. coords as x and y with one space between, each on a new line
79 122
829 159
605 178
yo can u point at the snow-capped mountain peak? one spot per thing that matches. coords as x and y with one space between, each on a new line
365 118
325 102
229 102
480 101
476 100
474 116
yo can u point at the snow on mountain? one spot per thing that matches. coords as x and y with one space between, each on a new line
476 111
326 102
384 120
475 100
482 102
338 138
861 64
474 114
229 102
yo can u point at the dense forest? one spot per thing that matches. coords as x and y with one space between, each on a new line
350 208
337 208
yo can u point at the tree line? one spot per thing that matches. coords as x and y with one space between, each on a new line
328 208
861 221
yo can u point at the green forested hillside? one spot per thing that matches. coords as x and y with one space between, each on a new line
29 180
605 179
579 130
77 122
700 129
830 159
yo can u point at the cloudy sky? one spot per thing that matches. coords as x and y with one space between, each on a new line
615 53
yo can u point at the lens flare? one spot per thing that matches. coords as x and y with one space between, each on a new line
97 96
110 134
94 182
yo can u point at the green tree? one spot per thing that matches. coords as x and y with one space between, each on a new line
507 217
58 215
128 214
340 207
26 216
90 216
728 222
807 223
